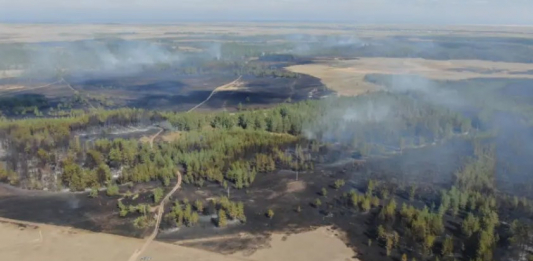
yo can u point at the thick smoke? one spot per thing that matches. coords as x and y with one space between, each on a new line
427 90
215 50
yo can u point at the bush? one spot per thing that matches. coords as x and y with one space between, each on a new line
339 183
270 213
112 190
199 206
93 193
157 195
222 219
318 203
141 222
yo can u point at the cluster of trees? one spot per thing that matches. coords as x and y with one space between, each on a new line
229 209
258 69
363 202
142 211
473 203
186 213
183 213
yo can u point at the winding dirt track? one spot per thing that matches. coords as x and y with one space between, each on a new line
160 211
219 88
75 91
155 136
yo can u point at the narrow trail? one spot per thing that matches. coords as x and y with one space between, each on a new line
219 88
34 88
155 136
160 211
209 239
75 91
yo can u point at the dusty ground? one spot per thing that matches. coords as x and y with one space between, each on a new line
346 77
29 241
317 245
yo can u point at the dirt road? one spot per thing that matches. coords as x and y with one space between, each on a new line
75 91
155 136
219 88
160 211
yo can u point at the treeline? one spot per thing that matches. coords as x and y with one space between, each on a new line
234 156
221 146
251 68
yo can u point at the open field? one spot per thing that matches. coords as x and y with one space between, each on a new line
46 243
32 33
316 245
30 241
347 77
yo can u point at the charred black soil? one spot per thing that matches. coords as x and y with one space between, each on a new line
291 200
160 90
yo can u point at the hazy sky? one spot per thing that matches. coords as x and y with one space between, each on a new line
358 11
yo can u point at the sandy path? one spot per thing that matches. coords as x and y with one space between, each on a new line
155 136
160 211
75 91
216 238
31 88
219 88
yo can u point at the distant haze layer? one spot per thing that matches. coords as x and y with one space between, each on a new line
357 11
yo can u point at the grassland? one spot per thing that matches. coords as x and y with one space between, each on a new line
347 77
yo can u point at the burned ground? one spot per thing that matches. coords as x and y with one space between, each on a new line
270 191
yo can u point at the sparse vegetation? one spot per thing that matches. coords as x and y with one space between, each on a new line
270 213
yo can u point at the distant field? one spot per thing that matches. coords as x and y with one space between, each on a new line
10 73
67 32
346 77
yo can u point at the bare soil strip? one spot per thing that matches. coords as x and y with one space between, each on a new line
160 210
75 91
155 136
224 87
209 239
24 88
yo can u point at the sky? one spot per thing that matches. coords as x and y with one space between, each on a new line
353 11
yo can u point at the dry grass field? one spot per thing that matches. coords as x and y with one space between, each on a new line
320 244
346 77
24 241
